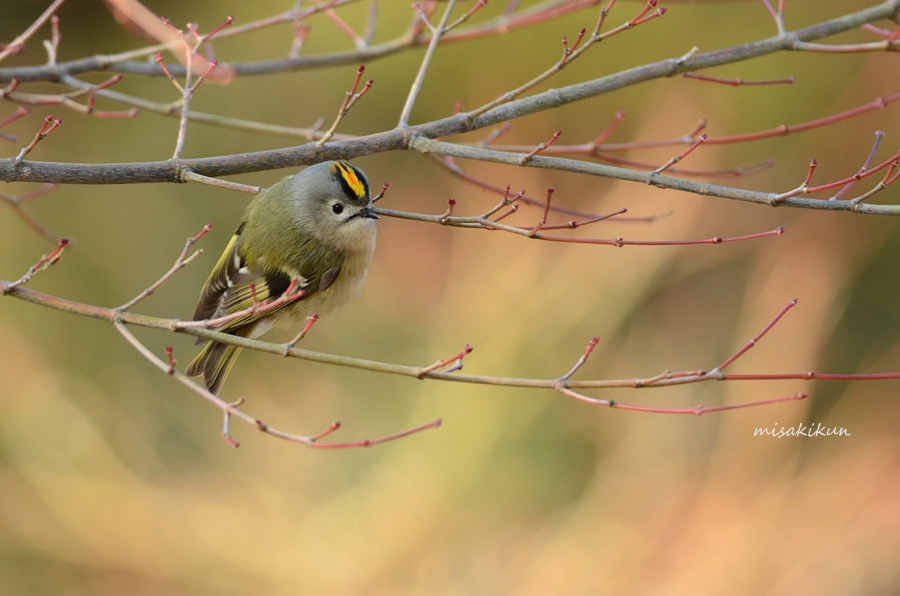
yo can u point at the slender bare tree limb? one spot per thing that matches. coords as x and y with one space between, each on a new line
663 379
419 137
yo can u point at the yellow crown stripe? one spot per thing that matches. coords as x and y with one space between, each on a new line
349 175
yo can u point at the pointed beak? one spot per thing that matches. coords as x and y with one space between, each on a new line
369 213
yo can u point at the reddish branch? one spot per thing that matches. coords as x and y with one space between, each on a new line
68 99
190 85
564 385
180 262
524 159
19 113
46 261
16 45
596 147
47 127
890 163
570 54
310 321
350 99
230 409
738 82
450 164
487 221
15 203
458 359
678 158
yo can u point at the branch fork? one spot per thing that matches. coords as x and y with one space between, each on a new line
45 262
352 96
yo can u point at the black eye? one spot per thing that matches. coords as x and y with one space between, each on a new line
337 208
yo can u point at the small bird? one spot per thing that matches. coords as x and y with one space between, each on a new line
316 227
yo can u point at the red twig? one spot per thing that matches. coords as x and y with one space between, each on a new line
231 410
301 32
783 130
171 357
310 321
16 45
894 36
55 37
756 339
162 64
533 232
738 82
617 119
449 212
227 411
580 362
180 262
466 15
879 134
344 28
46 128
209 68
734 173
190 86
15 203
423 372
44 262
524 159
567 51
32 194
643 17
620 242
508 212
699 141
350 98
450 164
20 112
572 225
809 175
372 442
696 410
804 189
561 385
381 193
68 100
228 21
495 134
569 55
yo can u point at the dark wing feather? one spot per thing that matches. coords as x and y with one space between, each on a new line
227 268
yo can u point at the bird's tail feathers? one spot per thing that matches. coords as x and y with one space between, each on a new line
213 362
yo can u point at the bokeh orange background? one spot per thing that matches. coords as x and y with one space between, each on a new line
114 480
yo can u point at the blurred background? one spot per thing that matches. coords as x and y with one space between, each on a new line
114 478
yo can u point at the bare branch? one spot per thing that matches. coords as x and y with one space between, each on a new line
16 45
426 62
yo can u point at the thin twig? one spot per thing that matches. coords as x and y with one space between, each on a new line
180 262
661 380
350 98
230 410
15 203
16 45
423 67
47 260
46 128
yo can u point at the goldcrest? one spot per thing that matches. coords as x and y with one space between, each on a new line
317 227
